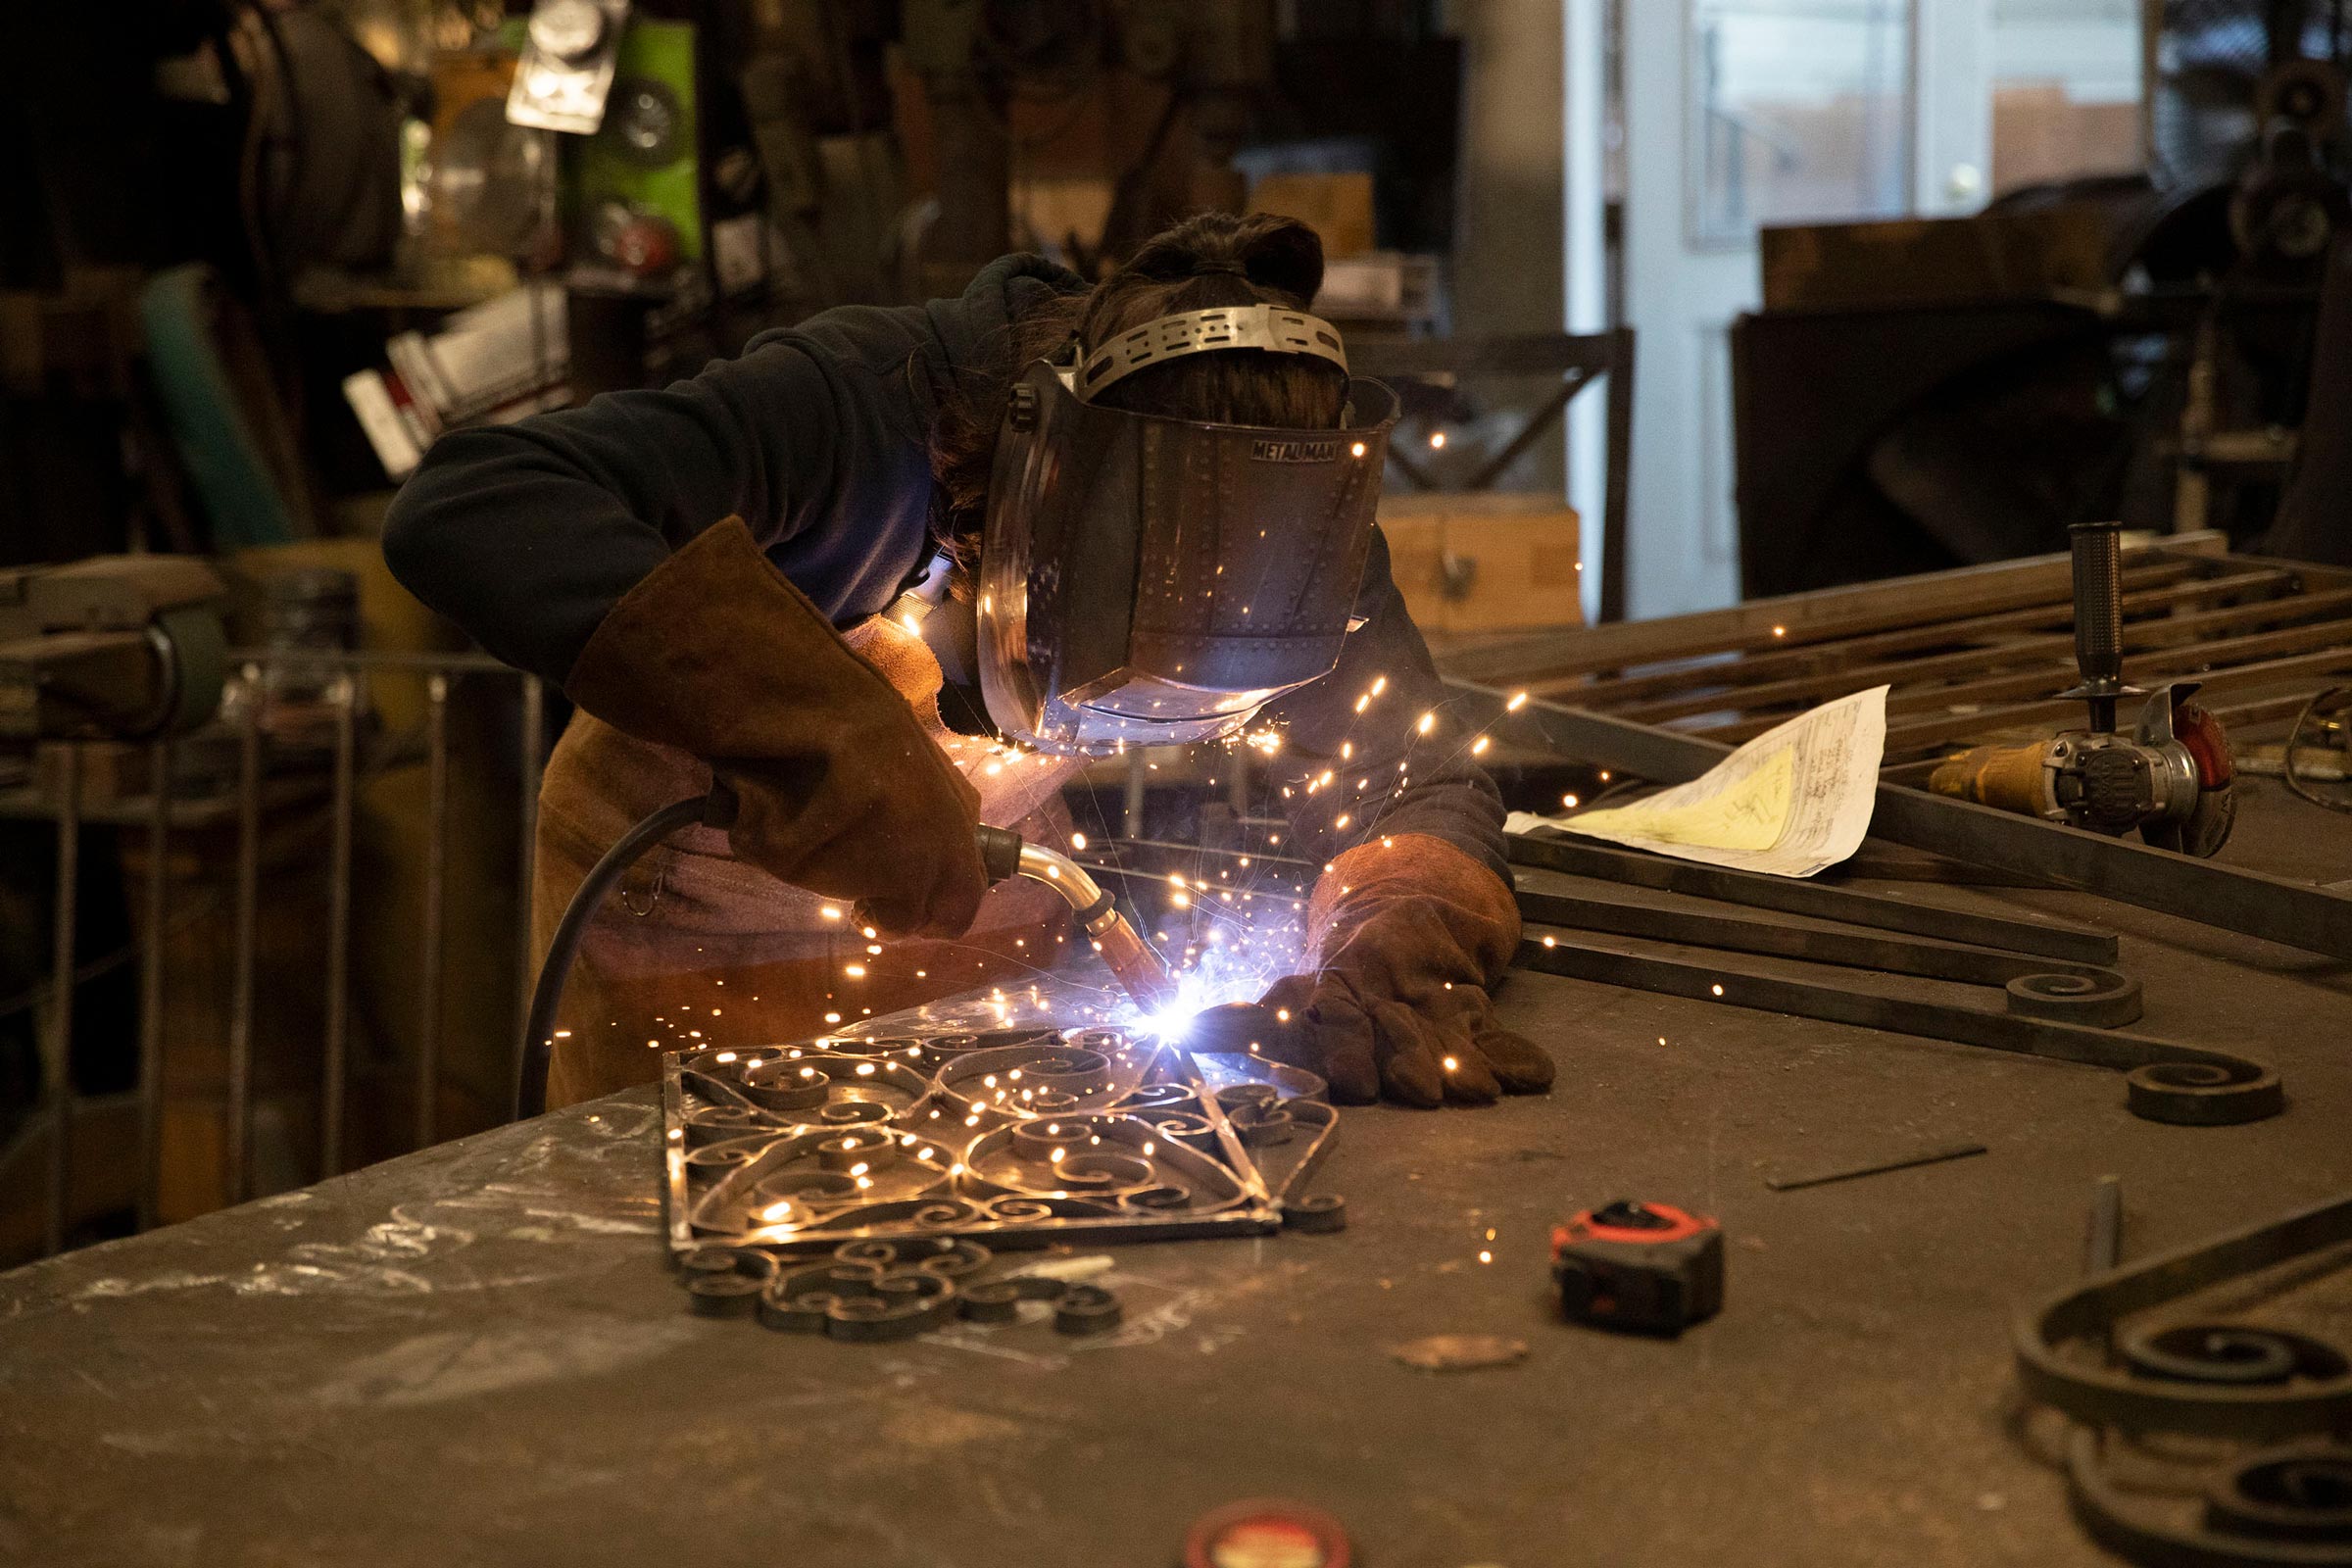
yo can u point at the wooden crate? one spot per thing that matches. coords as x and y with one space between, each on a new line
1483 560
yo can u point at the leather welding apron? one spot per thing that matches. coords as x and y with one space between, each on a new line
696 947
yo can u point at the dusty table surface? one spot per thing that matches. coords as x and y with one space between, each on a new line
477 1353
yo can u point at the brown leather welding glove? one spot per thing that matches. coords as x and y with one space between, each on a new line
842 792
1411 933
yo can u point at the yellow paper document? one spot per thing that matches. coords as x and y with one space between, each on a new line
1791 802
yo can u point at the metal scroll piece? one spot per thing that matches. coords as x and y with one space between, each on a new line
2186 1084
2287 1500
2053 1007
876 1290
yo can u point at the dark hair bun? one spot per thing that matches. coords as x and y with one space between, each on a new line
1281 255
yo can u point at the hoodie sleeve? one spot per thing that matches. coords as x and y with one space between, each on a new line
1373 747
526 534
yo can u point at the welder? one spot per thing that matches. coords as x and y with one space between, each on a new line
896 572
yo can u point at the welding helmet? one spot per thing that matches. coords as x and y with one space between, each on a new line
1148 580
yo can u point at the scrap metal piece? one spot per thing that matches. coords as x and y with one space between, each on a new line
1086 1309
725 1281
727 1295
1317 1215
1459 1353
861 1301
1077 1308
1846 1173
2189 1085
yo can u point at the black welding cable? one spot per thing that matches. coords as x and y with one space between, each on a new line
714 809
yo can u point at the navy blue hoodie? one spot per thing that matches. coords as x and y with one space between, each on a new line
817 436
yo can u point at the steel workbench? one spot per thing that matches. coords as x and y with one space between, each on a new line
477 1353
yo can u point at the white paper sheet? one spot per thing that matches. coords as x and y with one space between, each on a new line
1791 802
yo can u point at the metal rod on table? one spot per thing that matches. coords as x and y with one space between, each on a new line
151 983
1876 1167
533 738
436 868
59 1063
238 1141
336 1069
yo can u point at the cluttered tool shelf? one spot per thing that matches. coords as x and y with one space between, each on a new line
480 1352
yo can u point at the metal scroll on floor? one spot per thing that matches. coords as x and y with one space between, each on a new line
2199 1437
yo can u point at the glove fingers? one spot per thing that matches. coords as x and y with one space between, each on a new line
1470 1081
1343 1043
1276 1027
1462 1018
1410 1070
1521 1066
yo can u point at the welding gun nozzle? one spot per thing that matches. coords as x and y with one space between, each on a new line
1004 853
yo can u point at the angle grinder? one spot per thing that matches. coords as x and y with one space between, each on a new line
2171 778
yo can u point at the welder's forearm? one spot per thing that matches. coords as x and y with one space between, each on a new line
527 534
1358 761
517 547
1458 805
1404 764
